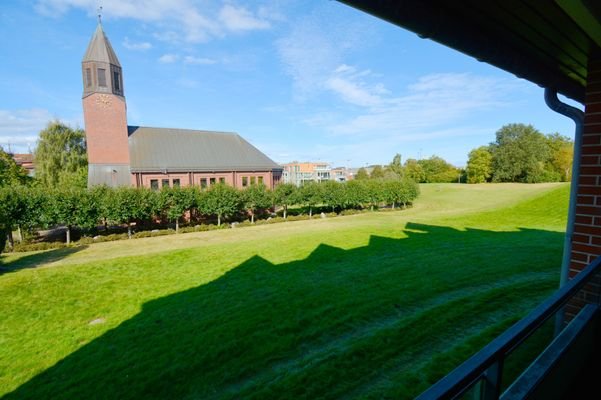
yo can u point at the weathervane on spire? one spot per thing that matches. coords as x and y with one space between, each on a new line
99 15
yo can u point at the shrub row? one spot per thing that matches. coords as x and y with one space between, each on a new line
31 208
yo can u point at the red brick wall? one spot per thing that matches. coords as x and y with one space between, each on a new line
586 242
194 178
105 117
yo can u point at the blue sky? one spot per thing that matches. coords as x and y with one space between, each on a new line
300 80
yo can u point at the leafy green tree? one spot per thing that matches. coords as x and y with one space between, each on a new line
395 166
377 172
284 195
519 154
256 197
362 174
10 173
61 157
400 191
310 195
355 194
333 194
127 205
414 170
437 170
374 192
479 165
562 155
11 207
176 202
75 207
221 200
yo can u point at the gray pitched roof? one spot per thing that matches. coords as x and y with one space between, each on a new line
100 49
160 149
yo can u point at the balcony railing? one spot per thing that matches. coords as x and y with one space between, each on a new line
577 308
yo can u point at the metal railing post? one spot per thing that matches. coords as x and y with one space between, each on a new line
491 384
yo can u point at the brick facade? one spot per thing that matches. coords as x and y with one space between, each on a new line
586 241
106 129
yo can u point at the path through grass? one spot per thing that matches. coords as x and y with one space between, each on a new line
365 306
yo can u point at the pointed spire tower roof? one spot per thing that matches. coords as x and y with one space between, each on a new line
100 49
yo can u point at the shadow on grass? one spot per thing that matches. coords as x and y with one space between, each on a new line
363 322
37 259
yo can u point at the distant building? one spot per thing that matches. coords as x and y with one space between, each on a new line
25 161
301 172
341 174
122 155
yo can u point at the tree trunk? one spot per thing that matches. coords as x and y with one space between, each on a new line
177 225
20 233
310 212
371 207
393 205
129 231
285 211
68 234
105 223
9 238
218 219
252 217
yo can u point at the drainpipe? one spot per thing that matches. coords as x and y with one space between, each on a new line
578 117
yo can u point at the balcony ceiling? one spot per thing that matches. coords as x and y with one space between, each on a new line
548 42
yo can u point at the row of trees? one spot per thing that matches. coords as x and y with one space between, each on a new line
429 170
521 153
28 208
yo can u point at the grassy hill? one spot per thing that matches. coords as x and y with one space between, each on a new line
364 306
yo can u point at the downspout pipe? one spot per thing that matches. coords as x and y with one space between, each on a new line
578 117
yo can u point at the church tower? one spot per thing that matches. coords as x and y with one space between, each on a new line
105 114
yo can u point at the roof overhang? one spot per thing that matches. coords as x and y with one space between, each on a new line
548 42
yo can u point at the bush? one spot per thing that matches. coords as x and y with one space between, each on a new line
22 247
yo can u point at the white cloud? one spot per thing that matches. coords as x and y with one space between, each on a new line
140 46
19 129
240 19
428 105
168 58
174 20
316 46
199 60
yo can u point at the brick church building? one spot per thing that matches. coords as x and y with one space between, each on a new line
123 155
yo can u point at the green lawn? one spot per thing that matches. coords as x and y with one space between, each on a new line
375 305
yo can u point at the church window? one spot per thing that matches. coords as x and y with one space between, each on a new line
260 180
116 81
203 183
88 77
244 181
222 180
102 77
165 183
176 183
154 184
253 180
212 180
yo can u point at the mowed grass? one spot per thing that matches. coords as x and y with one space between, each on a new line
375 305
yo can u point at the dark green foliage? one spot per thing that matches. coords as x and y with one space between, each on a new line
34 207
283 195
255 198
10 173
310 195
175 202
61 157
221 200
362 174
